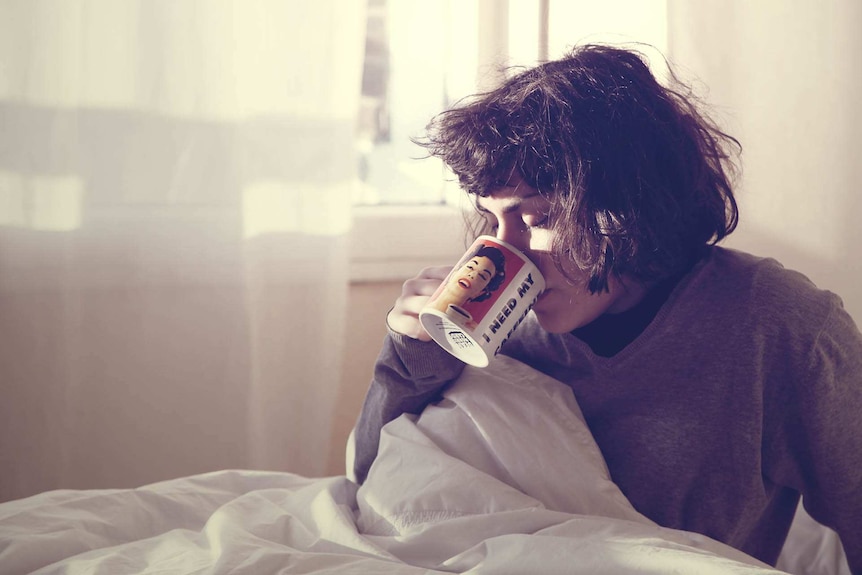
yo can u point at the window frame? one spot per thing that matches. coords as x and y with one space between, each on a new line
395 242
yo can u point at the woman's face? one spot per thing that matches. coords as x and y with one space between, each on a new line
517 214
472 277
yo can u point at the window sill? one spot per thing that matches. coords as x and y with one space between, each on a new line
394 243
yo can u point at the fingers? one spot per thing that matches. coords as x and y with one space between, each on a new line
426 282
407 323
403 318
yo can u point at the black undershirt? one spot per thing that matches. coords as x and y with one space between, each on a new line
608 334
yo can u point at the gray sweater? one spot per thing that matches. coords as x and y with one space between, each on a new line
743 393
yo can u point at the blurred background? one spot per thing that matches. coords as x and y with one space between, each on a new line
207 207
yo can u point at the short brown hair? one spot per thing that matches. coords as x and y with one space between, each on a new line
639 180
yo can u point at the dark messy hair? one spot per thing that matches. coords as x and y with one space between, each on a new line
638 179
499 261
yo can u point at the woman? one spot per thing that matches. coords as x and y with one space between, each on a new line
719 386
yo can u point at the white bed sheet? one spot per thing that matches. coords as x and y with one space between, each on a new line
501 477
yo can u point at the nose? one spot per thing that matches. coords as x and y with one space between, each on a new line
513 235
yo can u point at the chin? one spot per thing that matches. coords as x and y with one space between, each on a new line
548 315
553 323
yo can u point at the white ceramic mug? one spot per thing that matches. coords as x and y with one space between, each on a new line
481 302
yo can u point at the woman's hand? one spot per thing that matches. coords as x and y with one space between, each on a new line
415 293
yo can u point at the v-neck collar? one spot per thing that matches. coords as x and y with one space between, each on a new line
610 334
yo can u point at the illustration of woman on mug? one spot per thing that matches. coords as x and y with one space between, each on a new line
481 274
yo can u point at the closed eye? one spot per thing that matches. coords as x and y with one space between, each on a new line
536 222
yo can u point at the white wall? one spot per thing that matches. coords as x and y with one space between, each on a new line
785 77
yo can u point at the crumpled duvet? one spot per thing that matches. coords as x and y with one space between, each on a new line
501 476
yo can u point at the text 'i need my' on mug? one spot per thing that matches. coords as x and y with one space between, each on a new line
481 302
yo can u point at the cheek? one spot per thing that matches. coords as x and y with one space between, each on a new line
541 240
540 254
553 276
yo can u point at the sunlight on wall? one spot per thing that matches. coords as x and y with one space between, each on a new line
523 32
462 58
610 21
46 203
613 21
316 209
791 96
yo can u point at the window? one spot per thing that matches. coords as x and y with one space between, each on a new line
422 56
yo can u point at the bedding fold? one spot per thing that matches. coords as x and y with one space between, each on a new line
502 476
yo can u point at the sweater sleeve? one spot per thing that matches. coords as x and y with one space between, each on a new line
822 432
408 375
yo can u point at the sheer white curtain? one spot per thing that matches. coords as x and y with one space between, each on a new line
175 183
